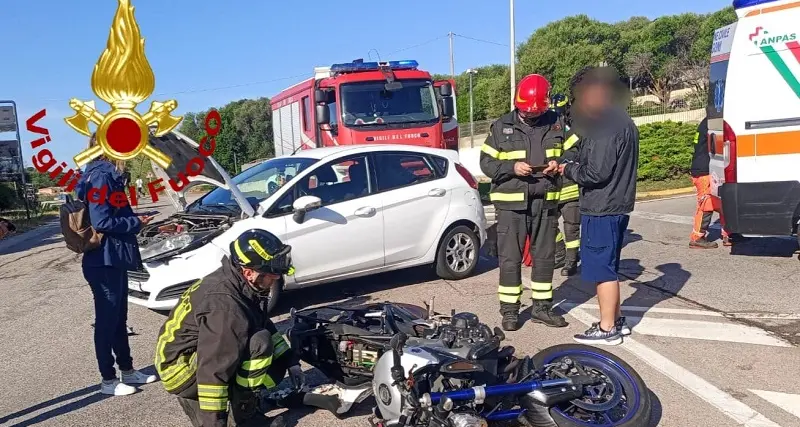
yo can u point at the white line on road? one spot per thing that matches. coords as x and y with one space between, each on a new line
677 219
690 312
738 411
788 402
701 330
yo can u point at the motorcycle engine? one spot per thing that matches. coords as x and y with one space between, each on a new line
464 330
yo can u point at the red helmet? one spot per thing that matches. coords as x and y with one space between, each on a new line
533 95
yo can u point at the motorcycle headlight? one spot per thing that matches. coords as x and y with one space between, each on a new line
467 420
168 244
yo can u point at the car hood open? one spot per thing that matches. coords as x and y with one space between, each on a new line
182 150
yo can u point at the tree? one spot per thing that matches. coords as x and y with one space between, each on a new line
38 179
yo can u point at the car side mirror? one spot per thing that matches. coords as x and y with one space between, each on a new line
303 205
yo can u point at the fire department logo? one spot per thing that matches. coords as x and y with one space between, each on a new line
123 78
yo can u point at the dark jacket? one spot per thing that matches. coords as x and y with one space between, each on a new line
604 163
701 159
119 226
206 336
510 141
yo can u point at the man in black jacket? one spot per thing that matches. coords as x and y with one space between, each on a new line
219 344
604 164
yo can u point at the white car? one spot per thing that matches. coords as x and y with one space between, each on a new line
347 211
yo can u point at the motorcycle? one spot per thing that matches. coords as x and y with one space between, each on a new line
426 369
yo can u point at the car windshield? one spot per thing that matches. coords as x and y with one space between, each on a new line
256 183
369 103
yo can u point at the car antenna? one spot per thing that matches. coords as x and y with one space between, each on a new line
297 149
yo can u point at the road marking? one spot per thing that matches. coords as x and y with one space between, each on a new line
788 402
727 404
690 312
677 219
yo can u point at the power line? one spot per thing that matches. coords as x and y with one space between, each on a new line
418 45
480 40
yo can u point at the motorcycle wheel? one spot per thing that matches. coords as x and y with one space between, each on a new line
623 399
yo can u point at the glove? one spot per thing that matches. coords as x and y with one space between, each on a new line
297 376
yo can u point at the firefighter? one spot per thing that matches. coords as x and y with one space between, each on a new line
219 345
519 156
568 242
707 203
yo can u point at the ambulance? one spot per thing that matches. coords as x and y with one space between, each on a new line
754 118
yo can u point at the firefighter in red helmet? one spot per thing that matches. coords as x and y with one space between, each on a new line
520 158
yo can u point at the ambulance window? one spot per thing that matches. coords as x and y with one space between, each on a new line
718 72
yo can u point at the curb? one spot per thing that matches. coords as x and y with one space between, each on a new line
663 193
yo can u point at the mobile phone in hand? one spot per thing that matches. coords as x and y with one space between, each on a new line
538 168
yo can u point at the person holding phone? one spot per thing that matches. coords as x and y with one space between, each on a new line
106 269
519 156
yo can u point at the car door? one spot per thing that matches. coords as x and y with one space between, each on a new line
344 235
415 202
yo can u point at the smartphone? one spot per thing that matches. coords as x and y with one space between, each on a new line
538 168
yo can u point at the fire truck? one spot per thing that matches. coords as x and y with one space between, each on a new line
361 102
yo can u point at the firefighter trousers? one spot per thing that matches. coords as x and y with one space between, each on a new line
513 228
264 368
570 239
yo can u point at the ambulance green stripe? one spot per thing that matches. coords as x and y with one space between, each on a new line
782 68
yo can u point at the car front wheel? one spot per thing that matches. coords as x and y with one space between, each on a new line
458 254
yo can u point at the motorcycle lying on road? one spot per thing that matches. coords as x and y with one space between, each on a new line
431 370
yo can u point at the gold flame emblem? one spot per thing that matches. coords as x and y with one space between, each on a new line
123 78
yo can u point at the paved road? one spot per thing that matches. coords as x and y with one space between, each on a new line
715 333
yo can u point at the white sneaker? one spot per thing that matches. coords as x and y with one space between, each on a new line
137 377
116 388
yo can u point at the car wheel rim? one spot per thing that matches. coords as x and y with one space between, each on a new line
460 252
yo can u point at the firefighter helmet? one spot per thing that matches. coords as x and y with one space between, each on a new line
533 95
261 251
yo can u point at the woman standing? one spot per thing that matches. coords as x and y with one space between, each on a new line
106 270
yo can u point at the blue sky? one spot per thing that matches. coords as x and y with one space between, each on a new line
207 53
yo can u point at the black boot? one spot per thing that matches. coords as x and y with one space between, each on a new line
571 264
561 255
510 320
542 312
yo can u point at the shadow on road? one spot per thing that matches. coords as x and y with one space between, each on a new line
45 235
650 288
658 410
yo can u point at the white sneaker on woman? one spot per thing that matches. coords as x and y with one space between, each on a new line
116 388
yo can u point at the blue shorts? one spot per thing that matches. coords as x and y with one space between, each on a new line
601 246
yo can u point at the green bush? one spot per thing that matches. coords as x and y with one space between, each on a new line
665 150
8 197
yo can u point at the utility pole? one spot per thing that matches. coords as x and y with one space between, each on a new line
471 72
452 62
513 65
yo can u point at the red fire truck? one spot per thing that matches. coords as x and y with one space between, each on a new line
365 103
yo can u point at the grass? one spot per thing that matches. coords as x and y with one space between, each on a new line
668 184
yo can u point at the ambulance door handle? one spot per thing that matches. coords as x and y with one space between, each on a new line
437 192
712 144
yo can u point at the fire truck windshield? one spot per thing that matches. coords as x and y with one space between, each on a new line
370 104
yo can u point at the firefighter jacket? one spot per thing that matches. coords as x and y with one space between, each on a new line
206 338
510 141
569 189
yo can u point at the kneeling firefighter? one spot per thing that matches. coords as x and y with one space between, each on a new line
519 156
568 243
219 344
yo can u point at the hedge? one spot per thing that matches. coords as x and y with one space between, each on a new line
665 150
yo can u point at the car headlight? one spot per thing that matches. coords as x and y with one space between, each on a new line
168 244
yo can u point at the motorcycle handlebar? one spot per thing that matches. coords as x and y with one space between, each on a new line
397 343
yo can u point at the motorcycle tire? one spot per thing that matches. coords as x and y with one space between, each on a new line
611 366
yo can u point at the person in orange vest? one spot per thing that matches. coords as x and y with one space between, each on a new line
707 203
